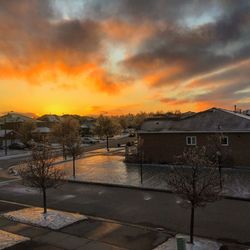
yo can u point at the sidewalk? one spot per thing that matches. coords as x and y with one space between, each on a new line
90 234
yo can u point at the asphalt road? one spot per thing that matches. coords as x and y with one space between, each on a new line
224 219
6 163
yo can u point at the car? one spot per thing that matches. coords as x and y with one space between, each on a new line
89 140
17 145
41 147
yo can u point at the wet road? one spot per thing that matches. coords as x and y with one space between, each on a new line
225 219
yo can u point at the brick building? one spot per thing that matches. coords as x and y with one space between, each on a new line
163 139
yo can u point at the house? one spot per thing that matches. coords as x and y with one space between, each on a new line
13 121
49 120
87 125
41 134
8 136
161 140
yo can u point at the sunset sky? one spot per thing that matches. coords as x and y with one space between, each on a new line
121 56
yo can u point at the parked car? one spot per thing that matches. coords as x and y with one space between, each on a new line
89 140
40 146
17 145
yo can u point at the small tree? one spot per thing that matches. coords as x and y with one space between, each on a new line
38 172
66 129
107 127
198 185
73 149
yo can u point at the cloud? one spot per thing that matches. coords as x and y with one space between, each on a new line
194 51
38 48
179 45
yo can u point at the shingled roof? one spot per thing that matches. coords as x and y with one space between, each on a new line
14 117
211 120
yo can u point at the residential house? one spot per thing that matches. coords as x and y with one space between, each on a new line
161 140
8 136
13 121
41 134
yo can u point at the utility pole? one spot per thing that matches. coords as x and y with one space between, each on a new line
141 162
5 139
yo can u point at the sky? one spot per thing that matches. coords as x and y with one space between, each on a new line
123 56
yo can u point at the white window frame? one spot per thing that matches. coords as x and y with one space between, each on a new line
193 140
222 144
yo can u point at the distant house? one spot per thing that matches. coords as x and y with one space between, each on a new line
41 134
87 125
13 121
49 120
9 136
163 139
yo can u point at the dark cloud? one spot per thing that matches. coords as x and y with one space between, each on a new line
196 50
34 44
185 39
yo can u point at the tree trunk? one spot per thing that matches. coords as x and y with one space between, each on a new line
192 225
74 167
44 202
107 143
220 176
64 152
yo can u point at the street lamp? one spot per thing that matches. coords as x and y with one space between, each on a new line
141 155
5 139
141 162
218 154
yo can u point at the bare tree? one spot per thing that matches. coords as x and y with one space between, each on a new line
218 153
74 149
38 172
196 181
67 128
107 127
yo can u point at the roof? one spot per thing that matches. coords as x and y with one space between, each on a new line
8 131
50 118
211 120
42 130
14 117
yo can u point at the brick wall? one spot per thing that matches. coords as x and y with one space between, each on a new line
164 147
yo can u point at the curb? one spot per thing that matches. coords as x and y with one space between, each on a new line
146 189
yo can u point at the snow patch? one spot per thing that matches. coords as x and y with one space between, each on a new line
199 244
53 219
10 239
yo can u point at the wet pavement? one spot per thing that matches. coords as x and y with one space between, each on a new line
88 234
224 220
111 169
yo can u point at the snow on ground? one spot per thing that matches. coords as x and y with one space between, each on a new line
14 155
54 219
199 244
9 239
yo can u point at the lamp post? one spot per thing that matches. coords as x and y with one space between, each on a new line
218 154
5 139
141 162
141 154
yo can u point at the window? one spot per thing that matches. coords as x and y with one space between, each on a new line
191 140
224 140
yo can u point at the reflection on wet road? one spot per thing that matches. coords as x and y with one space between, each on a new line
112 169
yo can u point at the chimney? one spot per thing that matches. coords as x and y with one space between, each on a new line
235 108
